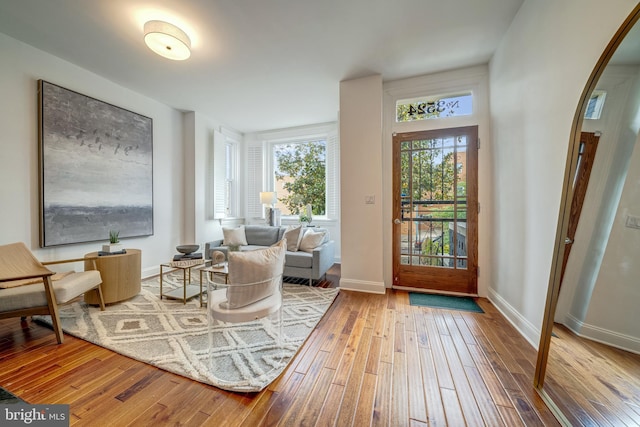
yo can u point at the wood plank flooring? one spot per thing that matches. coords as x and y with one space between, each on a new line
593 384
372 360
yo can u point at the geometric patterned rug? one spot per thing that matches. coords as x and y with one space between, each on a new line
175 337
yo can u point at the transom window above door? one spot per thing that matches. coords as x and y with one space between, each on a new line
434 107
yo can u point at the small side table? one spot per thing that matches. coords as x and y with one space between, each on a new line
188 290
121 276
221 271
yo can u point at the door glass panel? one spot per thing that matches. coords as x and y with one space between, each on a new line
434 107
433 205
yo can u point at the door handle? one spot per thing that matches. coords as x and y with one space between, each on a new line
567 241
396 221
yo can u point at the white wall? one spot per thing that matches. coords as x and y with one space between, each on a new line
361 176
20 68
617 294
536 78
613 316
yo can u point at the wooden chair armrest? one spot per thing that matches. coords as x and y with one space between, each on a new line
63 261
66 261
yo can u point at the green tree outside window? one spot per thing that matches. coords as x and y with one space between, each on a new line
301 167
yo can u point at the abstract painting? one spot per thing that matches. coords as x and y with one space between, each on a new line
96 169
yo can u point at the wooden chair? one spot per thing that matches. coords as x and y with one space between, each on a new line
34 291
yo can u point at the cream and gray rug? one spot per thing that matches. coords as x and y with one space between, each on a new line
175 337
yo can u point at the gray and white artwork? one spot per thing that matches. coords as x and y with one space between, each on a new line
96 166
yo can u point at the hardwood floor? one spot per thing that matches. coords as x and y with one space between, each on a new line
592 383
372 360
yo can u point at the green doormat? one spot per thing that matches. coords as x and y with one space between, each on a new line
444 301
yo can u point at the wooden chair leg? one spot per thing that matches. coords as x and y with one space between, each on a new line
53 309
100 297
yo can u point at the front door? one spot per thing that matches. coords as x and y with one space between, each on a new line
586 157
435 205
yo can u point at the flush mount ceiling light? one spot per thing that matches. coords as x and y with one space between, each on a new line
167 40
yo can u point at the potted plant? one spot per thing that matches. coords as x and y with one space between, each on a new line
304 219
306 216
114 242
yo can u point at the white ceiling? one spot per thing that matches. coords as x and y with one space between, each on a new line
262 64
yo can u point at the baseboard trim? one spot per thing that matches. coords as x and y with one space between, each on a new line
603 336
150 272
522 325
362 286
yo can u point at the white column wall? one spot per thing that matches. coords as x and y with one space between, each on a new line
199 226
361 177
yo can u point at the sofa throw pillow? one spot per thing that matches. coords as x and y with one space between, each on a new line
293 234
311 240
234 236
254 275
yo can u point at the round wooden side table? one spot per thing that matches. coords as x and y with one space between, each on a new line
121 276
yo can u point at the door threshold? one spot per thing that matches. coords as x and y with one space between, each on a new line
433 291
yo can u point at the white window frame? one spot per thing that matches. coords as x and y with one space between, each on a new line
231 205
271 174
325 131
225 167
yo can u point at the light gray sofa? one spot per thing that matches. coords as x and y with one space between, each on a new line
306 265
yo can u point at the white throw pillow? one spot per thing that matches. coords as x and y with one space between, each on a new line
311 240
293 234
262 269
234 236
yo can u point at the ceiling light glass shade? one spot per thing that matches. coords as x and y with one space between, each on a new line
167 40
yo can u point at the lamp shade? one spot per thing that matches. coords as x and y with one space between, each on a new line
268 198
167 40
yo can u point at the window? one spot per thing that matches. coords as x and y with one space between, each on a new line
434 107
230 197
299 173
266 155
225 174
595 105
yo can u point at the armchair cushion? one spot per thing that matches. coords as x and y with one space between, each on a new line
254 275
76 284
33 295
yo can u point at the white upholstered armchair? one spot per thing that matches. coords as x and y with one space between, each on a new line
253 298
